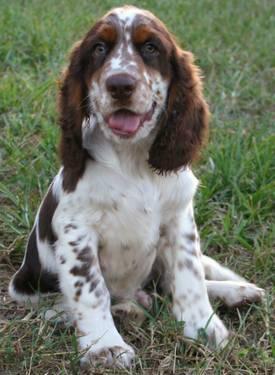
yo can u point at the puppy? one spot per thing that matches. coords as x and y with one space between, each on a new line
132 118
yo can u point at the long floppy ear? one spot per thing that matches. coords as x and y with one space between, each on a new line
184 125
73 108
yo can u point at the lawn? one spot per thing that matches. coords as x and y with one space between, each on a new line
234 45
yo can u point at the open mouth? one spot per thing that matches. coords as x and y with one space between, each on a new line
126 123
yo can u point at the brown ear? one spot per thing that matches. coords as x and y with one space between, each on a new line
184 125
73 108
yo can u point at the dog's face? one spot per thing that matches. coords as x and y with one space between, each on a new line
130 77
128 90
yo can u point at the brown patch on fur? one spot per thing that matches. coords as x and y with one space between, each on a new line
82 270
78 284
86 256
191 237
46 213
76 242
93 285
77 295
31 277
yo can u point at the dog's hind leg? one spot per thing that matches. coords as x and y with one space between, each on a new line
215 271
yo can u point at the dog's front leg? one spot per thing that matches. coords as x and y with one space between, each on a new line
88 298
180 251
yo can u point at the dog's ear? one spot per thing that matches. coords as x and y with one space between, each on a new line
73 109
184 124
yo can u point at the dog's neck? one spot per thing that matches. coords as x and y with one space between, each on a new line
125 156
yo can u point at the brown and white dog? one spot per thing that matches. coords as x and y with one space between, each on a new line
133 119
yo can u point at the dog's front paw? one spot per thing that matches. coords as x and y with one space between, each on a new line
107 351
209 330
114 356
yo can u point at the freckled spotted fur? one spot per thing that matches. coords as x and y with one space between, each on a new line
133 119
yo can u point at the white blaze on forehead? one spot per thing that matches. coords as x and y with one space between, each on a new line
120 60
127 14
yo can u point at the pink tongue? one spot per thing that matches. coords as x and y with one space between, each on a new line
124 122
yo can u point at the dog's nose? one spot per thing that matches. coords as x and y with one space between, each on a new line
121 86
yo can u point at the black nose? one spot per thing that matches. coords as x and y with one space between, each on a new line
121 86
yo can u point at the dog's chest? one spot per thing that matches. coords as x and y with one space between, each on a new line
124 212
128 235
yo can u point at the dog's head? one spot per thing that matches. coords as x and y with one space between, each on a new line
129 76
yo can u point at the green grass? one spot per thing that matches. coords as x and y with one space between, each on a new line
234 43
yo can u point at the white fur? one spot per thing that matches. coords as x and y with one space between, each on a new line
234 293
214 271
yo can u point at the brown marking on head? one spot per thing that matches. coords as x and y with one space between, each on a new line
152 29
107 32
142 33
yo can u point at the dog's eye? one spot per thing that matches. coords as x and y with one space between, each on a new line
149 49
100 49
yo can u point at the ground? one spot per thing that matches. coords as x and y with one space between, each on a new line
234 45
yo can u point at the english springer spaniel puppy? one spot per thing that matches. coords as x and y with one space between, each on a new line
133 118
